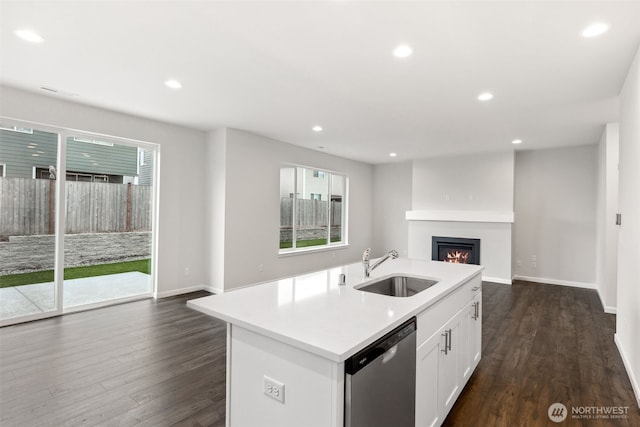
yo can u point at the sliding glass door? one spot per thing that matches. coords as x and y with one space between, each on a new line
28 157
77 221
107 244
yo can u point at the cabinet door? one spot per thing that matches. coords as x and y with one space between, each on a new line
471 335
476 332
467 332
449 378
428 403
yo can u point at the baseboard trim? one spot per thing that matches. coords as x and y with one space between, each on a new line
549 281
250 285
496 280
180 291
606 308
627 366
213 289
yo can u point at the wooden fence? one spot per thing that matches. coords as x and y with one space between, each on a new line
27 207
310 213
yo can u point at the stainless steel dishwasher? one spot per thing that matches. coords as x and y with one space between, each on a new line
380 381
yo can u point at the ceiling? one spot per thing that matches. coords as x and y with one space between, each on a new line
278 68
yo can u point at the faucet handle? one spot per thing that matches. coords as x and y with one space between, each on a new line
365 255
394 254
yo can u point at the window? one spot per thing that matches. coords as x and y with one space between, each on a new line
312 209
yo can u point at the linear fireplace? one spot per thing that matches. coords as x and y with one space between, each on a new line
455 250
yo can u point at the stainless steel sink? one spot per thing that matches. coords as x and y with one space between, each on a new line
398 286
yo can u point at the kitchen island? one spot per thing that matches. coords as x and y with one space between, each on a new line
287 340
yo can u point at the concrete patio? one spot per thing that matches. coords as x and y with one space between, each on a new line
33 299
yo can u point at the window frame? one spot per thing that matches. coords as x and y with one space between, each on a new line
344 242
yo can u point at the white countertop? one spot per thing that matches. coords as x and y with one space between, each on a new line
312 312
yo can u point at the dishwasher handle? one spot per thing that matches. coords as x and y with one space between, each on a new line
385 347
390 354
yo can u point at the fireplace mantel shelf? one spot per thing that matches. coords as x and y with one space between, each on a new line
461 216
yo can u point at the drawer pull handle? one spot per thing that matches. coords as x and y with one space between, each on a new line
476 310
446 343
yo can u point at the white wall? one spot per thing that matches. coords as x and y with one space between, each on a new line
181 216
252 210
628 317
475 182
607 241
392 185
555 215
215 210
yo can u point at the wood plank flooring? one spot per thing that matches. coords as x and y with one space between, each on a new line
544 344
159 363
147 363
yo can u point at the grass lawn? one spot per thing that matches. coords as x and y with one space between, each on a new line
75 273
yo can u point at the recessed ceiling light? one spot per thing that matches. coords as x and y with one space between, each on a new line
485 96
516 141
173 84
402 51
393 154
595 29
317 128
30 36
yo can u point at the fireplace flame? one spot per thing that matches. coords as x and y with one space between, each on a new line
457 257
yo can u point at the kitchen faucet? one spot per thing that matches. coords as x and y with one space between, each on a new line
393 254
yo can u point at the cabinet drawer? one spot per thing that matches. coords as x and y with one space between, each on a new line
432 319
472 288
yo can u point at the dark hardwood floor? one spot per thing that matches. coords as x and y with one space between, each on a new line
544 344
158 363
148 363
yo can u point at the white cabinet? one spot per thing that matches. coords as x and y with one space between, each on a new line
472 336
476 332
438 381
449 378
428 362
446 360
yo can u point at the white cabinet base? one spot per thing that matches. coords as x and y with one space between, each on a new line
446 360
309 388
313 385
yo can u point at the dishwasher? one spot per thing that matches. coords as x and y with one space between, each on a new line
380 381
